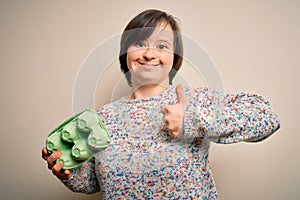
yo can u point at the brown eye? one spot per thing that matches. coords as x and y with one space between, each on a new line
162 46
140 44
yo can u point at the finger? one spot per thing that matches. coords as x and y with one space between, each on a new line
66 174
57 169
173 134
180 94
173 126
52 159
60 172
167 125
45 153
165 109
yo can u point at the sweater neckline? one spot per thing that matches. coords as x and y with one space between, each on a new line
156 97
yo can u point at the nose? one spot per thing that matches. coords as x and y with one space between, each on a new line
149 53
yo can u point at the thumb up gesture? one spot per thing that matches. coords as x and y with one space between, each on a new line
174 114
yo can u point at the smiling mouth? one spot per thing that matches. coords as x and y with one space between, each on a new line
148 64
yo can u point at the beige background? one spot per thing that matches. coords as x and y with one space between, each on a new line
255 45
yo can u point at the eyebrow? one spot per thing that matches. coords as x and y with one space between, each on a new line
164 40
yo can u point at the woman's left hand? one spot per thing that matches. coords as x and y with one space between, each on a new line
174 114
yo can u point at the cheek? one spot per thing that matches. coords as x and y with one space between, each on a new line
131 57
167 59
129 60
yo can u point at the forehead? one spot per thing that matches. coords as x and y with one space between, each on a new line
163 31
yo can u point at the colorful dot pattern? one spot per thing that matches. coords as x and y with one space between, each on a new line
144 162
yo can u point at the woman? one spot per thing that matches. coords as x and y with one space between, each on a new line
160 133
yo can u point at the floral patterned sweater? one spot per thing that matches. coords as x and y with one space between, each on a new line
144 162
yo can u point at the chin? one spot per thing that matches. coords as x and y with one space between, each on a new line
150 81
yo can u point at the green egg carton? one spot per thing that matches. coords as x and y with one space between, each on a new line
78 138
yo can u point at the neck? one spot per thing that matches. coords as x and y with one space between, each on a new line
147 90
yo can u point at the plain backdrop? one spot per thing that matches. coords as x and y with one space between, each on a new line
254 44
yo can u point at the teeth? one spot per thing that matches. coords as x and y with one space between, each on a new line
148 63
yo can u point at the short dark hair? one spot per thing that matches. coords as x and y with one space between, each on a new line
140 28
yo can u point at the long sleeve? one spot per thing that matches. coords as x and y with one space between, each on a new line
229 118
83 179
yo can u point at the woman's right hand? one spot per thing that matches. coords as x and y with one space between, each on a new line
55 167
